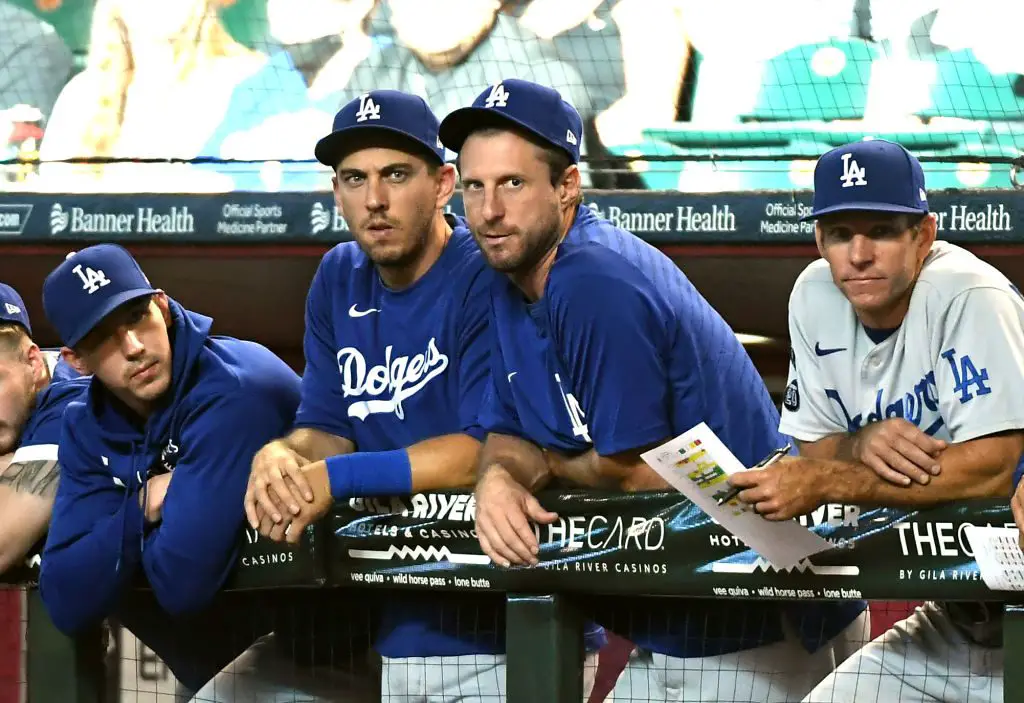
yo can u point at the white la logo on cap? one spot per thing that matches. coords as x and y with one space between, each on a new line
853 174
498 97
368 110
92 279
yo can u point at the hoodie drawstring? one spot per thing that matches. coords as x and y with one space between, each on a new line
136 484
130 493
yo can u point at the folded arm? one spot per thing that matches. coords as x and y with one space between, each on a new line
978 468
95 538
793 486
625 471
523 460
189 555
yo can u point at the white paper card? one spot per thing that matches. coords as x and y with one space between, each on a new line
698 465
997 552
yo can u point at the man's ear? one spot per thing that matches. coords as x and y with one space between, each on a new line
570 187
446 179
76 362
928 230
160 299
40 370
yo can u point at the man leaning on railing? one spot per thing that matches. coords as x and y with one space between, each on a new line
904 390
154 462
604 348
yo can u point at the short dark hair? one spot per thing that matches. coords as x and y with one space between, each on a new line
557 160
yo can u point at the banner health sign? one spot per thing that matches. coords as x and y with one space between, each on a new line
658 217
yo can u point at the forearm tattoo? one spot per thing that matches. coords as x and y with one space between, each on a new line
37 477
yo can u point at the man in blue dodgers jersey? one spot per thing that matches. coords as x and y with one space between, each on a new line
32 402
602 349
396 346
154 461
904 391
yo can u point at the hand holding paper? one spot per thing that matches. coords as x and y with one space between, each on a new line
700 466
789 488
764 463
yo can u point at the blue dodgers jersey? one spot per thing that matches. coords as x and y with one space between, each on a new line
385 368
622 352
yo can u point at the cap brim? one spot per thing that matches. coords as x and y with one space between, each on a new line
108 307
457 126
330 150
865 207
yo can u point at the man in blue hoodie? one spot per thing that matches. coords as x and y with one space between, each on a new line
396 349
155 457
603 349
32 402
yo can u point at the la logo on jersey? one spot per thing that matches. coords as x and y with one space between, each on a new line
920 404
853 175
390 384
92 279
368 110
575 411
498 97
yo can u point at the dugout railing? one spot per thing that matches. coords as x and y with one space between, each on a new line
651 544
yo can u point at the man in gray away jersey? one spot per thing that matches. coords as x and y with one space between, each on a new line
904 390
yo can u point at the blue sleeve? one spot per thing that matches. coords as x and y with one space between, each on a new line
613 340
45 425
62 371
190 553
498 415
95 539
322 400
474 351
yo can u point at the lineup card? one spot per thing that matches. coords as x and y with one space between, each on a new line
698 465
997 552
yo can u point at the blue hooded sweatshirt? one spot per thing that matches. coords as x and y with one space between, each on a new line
226 400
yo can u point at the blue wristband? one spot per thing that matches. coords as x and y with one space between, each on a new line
370 474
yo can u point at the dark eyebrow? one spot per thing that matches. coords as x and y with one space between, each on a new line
501 179
398 165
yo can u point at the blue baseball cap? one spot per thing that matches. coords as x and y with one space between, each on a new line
536 108
872 175
384 110
12 307
89 285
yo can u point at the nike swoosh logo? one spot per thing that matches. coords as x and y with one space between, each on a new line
825 352
511 375
352 312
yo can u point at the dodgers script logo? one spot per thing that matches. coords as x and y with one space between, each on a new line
920 404
398 378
